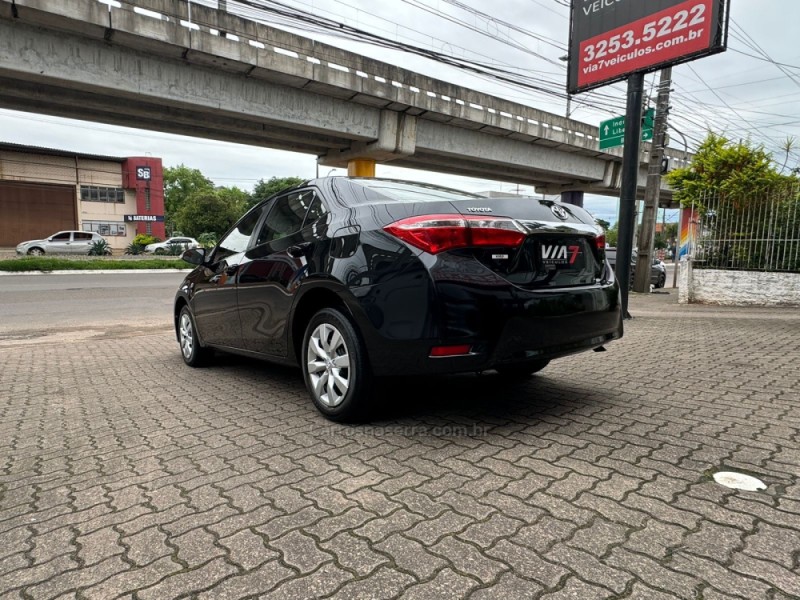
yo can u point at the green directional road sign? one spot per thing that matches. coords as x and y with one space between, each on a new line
612 131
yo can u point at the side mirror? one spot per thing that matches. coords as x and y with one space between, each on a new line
195 256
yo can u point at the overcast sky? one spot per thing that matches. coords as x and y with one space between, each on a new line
735 94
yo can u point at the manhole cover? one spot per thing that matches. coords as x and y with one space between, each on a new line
739 481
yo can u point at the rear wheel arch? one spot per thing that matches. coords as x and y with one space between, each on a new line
309 304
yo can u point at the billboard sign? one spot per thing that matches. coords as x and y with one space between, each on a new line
610 39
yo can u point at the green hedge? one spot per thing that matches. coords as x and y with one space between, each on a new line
38 263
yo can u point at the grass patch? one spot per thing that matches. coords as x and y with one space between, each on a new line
46 263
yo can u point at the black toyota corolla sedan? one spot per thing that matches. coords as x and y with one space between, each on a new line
355 278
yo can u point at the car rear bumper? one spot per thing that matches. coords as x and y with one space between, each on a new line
502 324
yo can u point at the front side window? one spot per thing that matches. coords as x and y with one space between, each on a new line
61 237
238 239
286 216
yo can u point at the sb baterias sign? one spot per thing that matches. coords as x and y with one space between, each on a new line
610 39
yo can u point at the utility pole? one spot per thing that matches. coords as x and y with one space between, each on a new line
652 192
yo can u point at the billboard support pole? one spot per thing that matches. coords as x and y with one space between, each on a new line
629 186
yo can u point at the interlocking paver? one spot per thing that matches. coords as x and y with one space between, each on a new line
247 549
383 584
575 589
447 584
590 480
328 577
723 579
254 582
429 531
656 538
192 581
411 556
528 563
300 552
509 587
354 553
69 581
467 559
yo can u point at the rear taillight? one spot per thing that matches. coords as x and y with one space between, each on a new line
438 233
600 241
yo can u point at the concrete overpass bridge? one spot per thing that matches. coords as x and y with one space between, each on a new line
170 66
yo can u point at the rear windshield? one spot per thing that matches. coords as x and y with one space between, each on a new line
403 191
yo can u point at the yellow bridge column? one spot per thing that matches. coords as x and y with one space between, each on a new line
361 167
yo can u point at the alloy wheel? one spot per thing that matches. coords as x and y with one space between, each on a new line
328 362
186 335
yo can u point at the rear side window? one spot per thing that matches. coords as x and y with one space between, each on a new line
286 216
315 212
78 235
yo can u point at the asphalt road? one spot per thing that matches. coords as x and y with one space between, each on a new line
85 302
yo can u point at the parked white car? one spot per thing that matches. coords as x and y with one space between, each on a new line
165 247
63 242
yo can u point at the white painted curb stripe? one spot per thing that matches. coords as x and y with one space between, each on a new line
94 272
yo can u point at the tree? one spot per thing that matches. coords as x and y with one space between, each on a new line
265 189
729 171
210 211
746 206
603 223
612 234
236 197
180 183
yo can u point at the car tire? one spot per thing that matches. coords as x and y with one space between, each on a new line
36 252
521 370
335 368
193 353
159 251
662 281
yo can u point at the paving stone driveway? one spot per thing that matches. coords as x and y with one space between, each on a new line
125 474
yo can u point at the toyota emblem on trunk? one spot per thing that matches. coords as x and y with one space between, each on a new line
559 212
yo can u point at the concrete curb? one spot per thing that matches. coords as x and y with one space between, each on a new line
94 272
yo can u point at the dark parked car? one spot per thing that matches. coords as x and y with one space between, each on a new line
356 278
658 270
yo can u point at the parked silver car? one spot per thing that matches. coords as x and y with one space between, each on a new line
63 242
166 247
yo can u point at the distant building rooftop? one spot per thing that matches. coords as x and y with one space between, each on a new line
55 152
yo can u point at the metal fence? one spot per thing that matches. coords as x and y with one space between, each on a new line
748 234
